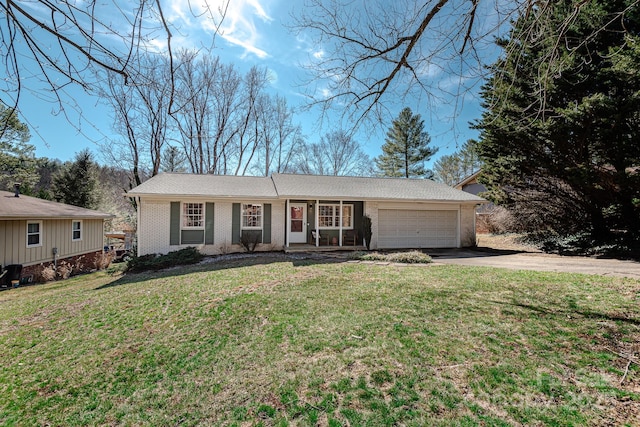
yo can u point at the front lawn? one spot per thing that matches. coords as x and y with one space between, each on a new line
261 341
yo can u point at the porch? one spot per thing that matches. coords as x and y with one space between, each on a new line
304 247
323 225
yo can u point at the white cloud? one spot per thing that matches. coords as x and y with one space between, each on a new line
238 26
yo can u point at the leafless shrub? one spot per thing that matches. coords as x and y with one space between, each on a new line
104 260
250 239
496 220
45 274
224 247
64 270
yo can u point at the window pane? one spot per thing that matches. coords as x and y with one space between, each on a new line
33 239
251 216
347 216
33 227
193 215
325 216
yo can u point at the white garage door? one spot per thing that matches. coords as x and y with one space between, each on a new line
398 228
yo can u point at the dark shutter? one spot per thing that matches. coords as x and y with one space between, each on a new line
266 224
208 230
174 227
235 223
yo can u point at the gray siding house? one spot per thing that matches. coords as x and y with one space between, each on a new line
36 232
214 212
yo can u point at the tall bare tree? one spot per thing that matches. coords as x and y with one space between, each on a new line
49 45
337 153
279 136
142 117
373 53
248 133
196 79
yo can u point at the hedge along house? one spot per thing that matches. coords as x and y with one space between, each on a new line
36 233
286 212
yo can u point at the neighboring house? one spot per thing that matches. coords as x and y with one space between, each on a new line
37 233
214 212
471 185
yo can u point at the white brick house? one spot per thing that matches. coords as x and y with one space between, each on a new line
214 212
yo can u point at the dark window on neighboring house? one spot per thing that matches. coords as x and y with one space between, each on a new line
76 230
34 233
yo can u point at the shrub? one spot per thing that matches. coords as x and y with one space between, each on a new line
496 220
184 256
250 239
104 260
366 230
412 257
46 274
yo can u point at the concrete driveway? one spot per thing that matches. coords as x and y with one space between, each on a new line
538 262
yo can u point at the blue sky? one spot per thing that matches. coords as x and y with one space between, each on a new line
254 33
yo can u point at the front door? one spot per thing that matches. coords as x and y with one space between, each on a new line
298 223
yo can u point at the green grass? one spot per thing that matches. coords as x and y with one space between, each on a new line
278 343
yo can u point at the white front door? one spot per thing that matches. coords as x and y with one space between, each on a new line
297 223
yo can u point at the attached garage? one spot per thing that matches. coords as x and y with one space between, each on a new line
410 228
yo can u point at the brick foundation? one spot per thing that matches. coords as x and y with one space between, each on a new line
78 264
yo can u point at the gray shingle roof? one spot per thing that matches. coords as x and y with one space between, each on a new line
215 186
361 188
25 207
302 186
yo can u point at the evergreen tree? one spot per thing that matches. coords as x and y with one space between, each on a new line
453 168
406 148
77 183
17 156
560 141
173 160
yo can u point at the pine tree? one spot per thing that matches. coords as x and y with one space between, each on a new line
565 160
77 183
453 168
17 156
406 148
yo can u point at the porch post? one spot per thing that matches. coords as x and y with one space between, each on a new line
317 223
288 224
340 226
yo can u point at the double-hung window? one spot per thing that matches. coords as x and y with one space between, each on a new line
76 230
34 233
329 216
326 216
193 215
251 216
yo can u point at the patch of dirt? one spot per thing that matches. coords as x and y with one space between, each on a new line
505 242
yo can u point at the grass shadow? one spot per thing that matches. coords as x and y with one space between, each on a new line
590 314
225 262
